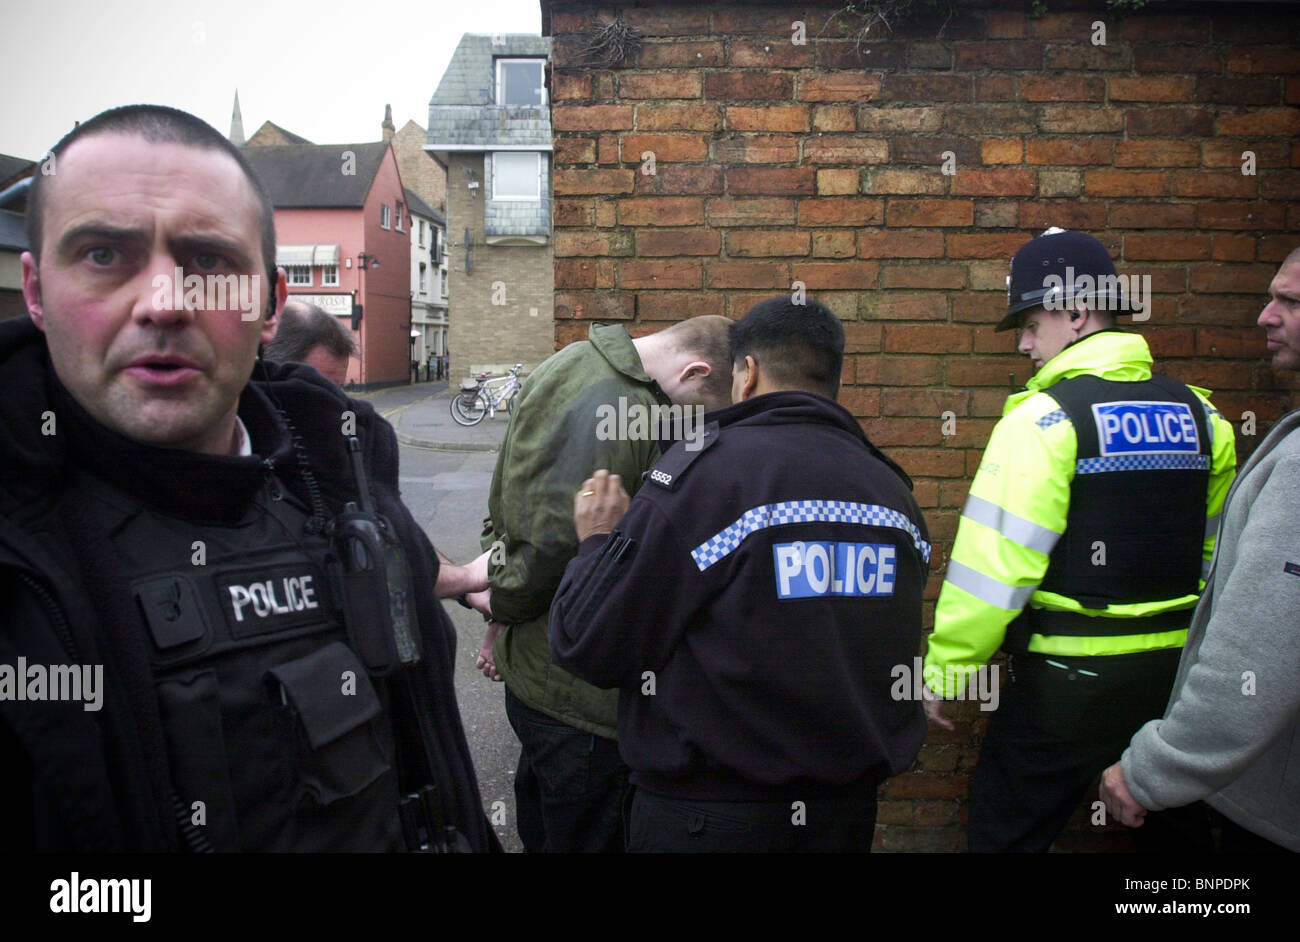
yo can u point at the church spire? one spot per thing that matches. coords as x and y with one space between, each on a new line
236 124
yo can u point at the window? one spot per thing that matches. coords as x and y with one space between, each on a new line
329 276
299 274
435 249
444 284
385 216
424 278
398 224
420 230
520 82
516 176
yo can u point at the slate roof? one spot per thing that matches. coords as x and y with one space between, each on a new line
462 114
310 176
417 206
288 135
12 166
13 231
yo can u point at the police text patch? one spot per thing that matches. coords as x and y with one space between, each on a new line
263 600
807 569
1140 428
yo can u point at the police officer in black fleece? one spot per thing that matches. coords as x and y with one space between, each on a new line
750 605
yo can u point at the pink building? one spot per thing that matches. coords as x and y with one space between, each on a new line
343 237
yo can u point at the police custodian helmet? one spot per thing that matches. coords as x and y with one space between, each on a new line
1054 259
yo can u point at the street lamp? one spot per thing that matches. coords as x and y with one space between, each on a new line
367 261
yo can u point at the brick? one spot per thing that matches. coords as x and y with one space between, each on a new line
1125 183
1166 247
1230 342
590 243
894 812
1151 88
579 182
1248 30
1002 150
1085 57
988 275
771 54
834 118
606 214
1230 279
595 305
905 306
931 213
1062 88
659 274
828 276
591 117
914 243
1164 28
672 179
985 245
838 86
843 211
993 183
912 120
900 371
1157 153
1068 151
1239 91
909 182
929 56
605 272
607 149
768 118
1171 342
1152 215
666 148
757 149
740 86
1233 248
1218 184
751 212
1292 96
676 55
661 211
574 274
1163 58
604 85
1241 215
924 402
1263 122
659 85
1169 122
1225 152
862 338
1060 183
837 182
678 117
986 340
659 22
575 213
673 305
659 242
982 371
929 151
1003 24
1269 61
1068 214
858 401
1076 27
985 119
575 150
926 462
1214 375
1273 247
568 86
996 87
760 181
845 149
1167 279
892 432
729 21
879 56
1070 119
751 243
1280 185
936 277
1011 56
749 275
929 88
837 243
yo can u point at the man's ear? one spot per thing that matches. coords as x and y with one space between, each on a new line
32 290
278 295
751 378
695 369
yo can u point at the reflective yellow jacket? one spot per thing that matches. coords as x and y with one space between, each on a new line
1022 488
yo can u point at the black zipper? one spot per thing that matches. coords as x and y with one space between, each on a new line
61 627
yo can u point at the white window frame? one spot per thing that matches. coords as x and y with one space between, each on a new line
397 210
500 85
443 286
385 216
325 280
295 274
424 277
419 224
537 195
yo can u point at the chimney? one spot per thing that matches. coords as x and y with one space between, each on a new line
236 124
387 126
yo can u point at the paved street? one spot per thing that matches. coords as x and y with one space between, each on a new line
447 491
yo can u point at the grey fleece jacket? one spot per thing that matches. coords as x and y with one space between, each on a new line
1231 732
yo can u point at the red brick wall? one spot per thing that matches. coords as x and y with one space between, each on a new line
777 162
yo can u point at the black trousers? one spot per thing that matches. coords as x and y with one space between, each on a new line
659 824
1056 729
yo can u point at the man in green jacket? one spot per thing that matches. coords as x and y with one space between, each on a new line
605 402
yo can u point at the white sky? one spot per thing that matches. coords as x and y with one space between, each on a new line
323 69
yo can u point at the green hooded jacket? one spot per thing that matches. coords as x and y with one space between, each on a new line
568 421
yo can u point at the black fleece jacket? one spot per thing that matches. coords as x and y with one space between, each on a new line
77 780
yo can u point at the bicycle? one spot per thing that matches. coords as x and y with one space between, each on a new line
477 399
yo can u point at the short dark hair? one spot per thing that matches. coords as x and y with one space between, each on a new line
156 124
800 346
303 328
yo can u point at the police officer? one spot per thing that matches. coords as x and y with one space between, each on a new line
1081 550
751 606
230 556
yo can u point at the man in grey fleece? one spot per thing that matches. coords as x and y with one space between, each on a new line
1231 733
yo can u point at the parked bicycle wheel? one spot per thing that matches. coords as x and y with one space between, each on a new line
468 408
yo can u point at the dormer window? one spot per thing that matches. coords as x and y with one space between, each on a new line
520 82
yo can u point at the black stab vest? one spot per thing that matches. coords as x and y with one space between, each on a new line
269 718
1136 524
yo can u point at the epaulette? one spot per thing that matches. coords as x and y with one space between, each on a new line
668 470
